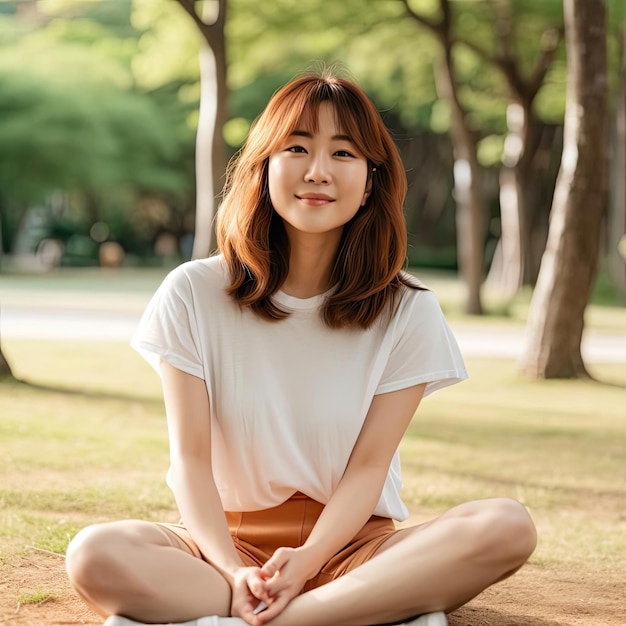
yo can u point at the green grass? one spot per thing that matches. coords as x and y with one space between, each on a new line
557 446
35 597
87 442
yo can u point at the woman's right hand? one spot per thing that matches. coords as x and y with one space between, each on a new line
248 590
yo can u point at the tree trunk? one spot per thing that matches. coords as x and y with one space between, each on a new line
470 224
616 222
468 179
556 316
468 183
507 268
516 261
5 368
211 157
524 211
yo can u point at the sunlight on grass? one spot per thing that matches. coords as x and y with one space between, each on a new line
557 446
88 444
95 449
109 368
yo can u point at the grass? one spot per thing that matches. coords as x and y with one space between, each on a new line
35 597
86 439
556 446
87 442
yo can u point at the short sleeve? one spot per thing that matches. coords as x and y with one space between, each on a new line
168 327
424 348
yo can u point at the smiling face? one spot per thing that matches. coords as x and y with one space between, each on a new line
317 179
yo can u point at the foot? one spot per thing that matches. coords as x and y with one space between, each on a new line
429 619
213 620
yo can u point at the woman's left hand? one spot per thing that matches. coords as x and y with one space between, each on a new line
248 589
285 575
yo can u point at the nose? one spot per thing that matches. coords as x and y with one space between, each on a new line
318 171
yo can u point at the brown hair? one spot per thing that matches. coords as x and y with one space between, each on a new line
366 275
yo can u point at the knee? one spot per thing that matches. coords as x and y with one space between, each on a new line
92 556
506 526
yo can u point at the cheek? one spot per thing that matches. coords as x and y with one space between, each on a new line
275 178
360 182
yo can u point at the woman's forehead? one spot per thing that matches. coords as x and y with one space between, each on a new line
324 112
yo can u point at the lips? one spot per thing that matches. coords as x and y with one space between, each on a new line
315 196
315 199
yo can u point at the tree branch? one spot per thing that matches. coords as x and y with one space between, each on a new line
432 26
206 29
221 14
552 37
525 89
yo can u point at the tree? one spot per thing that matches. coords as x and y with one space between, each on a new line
471 210
80 135
5 368
516 261
568 265
616 222
210 149
89 137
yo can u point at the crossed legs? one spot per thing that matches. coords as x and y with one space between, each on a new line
144 572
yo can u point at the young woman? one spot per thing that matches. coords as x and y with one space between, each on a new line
292 363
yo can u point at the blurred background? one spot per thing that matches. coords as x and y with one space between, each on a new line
118 117
117 120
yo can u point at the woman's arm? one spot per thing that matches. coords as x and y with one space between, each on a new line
352 503
199 503
358 492
189 426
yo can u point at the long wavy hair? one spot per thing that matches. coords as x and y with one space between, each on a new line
367 273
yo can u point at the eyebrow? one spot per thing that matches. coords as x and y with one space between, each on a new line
305 133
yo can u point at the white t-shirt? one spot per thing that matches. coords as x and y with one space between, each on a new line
288 398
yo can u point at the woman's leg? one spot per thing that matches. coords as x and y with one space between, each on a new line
437 566
140 570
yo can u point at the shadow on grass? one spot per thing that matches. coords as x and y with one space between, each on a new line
475 616
577 493
79 393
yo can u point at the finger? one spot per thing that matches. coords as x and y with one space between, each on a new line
274 564
273 610
248 611
258 587
276 585
260 607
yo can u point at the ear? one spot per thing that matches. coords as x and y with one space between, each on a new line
368 187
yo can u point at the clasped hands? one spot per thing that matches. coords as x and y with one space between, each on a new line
276 583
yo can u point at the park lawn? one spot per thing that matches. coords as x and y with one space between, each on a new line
86 441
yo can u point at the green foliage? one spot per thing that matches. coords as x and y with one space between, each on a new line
77 135
73 118
377 46
167 47
100 98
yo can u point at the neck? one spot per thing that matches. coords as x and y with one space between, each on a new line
310 266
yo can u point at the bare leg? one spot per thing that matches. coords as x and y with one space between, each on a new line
139 570
437 566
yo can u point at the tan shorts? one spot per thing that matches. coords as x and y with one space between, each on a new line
258 534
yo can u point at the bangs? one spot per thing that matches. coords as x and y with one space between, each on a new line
298 109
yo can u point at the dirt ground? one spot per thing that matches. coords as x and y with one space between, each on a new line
535 596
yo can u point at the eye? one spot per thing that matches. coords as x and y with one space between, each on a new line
344 153
296 149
